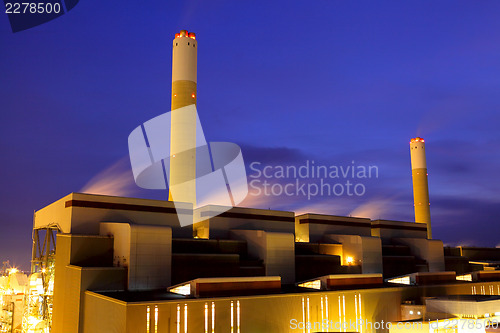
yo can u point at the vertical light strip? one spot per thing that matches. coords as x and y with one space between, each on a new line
178 318
156 319
206 317
356 309
185 318
360 315
308 317
232 317
148 319
213 317
303 315
343 311
498 290
326 306
322 314
238 316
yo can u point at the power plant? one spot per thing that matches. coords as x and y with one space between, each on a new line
104 264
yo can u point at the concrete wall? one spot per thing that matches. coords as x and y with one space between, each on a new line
145 250
462 307
313 227
243 219
430 250
103 315
387 230
276 249
79 213
70 281
366 251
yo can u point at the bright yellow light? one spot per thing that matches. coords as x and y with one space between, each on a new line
213 317
238 321
232 317
349 260
185 318
13 270
400 280
156 319
466 277
315 284
206 317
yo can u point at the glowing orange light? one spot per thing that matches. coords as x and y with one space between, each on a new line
193 95
175 95
177 35
417 139
192 35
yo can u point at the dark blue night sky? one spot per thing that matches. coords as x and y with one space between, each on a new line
325 81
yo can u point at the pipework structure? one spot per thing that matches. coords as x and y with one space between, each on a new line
420 183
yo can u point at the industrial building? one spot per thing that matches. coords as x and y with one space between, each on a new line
125 265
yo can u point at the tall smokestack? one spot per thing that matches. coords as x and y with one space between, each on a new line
420 185
183 124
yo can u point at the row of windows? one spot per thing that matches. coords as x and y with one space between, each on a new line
182 318
177 44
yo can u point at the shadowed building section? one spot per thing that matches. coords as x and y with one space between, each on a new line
126 265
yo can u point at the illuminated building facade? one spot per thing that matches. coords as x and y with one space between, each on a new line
124 265
420 184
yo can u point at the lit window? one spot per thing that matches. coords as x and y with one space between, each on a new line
232 317
178 318
185 289
206 317
411 312
315 284
238 315
213 317
156 319
185 318
466 277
